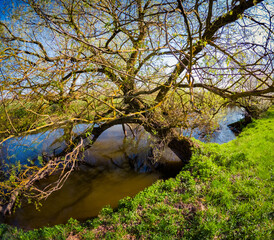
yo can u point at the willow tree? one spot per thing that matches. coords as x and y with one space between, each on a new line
160 64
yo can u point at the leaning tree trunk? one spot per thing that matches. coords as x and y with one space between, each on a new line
180 145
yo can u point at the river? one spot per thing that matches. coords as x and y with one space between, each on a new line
115 167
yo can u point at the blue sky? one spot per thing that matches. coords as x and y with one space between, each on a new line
6 6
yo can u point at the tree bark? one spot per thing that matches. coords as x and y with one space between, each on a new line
182 147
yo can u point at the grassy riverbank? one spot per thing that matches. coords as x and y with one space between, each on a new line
225 192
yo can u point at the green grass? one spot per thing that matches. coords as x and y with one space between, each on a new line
225 192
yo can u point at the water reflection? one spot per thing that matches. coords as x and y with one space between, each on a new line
54 141
27 148
115 167
223 133
83 196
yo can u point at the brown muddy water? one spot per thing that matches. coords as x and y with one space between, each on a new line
115 167
82 197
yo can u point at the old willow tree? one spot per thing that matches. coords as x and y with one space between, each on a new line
159 63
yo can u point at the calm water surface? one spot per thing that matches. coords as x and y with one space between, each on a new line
115 167
83 196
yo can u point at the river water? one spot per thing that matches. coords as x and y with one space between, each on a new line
115 167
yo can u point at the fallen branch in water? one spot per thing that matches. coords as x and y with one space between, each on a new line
24 183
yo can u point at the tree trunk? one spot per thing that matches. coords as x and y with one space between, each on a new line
182 147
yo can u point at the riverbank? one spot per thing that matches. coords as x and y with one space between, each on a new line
225 192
